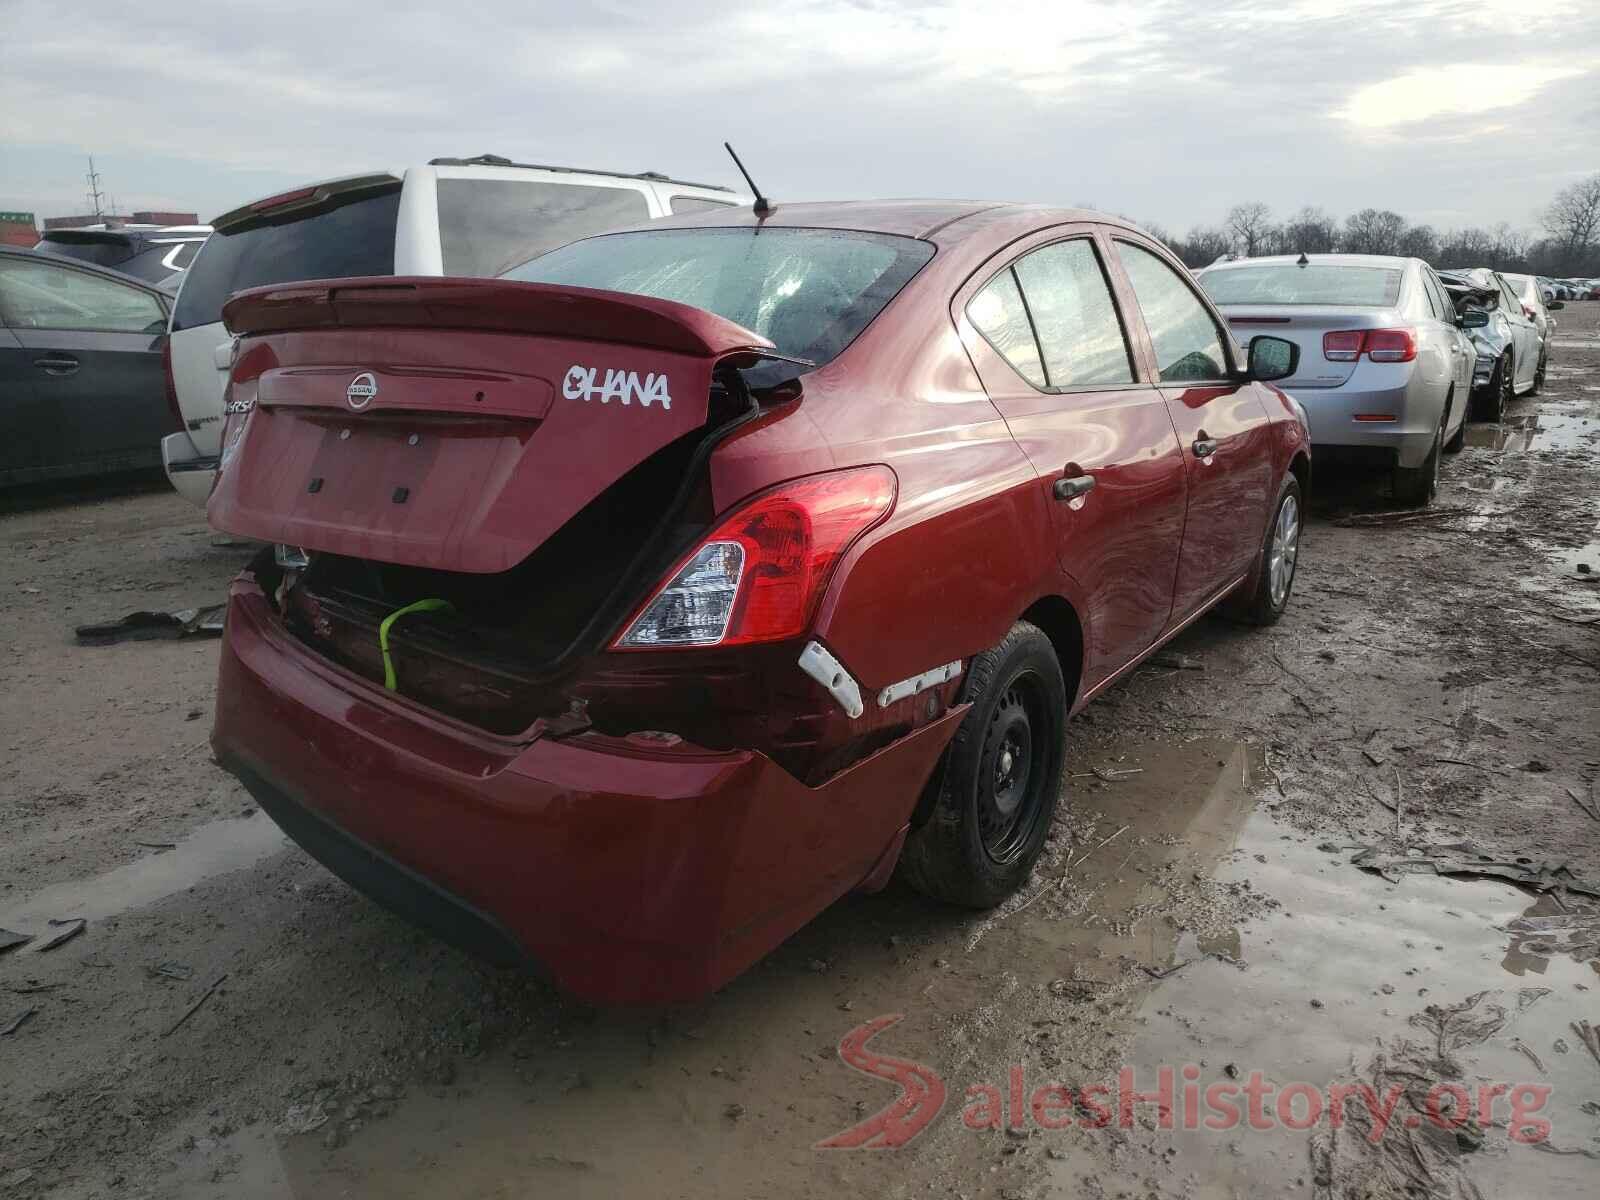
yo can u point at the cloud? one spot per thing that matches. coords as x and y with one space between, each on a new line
1462 89
1168 109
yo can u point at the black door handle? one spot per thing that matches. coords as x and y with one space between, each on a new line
1068 488
1204 447
61 364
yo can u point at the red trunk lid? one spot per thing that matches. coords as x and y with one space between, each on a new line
451 423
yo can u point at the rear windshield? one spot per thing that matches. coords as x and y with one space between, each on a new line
487 225
102 254
1319 283
352 239
809 291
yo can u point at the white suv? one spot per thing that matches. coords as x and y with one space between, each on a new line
455 216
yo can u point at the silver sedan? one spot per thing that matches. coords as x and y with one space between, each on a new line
1385 372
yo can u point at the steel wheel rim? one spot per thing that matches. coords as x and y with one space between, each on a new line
1013 769
1285 549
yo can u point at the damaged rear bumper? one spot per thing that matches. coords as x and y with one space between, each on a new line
628 871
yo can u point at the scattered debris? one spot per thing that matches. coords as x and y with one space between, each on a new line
144 626
1589 1035
1376 760
10 940
1523 1048
170 970
1461 859
156 845
1107 774
66 930
195 1007
1177 662
1393 519
1590 808
17 1021
733 1111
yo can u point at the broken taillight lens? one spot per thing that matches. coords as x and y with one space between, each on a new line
759 575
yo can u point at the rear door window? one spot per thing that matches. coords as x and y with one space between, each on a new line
489 225
347 240
1074 317
1187 344
46 296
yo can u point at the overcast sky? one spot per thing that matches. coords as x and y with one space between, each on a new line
1451 111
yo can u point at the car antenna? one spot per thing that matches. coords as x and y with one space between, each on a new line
1302 261
762 206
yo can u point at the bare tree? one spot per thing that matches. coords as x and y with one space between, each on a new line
1310 231
1419 241
1464 248
1373 231
1251 226
1573 217
1202 246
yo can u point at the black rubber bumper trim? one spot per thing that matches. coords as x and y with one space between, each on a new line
389 883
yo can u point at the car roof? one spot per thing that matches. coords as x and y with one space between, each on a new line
945 222
1331 260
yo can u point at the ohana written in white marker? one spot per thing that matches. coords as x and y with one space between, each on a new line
626 386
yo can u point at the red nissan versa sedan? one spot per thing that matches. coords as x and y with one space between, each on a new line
628 610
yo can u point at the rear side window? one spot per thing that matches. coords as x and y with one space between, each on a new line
1000 315
488 225
352 239
46 296
1318 283
1077 324
1188 347
694 204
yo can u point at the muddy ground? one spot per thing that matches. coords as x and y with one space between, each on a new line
1434 684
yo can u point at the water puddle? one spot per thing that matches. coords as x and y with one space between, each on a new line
1547 430
1344 971
212 849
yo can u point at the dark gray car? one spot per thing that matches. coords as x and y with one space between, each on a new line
82 381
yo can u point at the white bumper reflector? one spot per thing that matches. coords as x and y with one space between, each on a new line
918 683
827 670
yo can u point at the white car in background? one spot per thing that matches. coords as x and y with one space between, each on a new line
454 216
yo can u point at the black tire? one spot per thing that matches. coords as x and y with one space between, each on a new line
1264 604
1538 374
990 812
1414 487
1454 445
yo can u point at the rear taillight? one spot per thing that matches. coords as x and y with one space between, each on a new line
1342 346
172 384
1380 345
1391 345
759 575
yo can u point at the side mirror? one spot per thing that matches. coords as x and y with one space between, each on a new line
1473 318
1272 358
1555 305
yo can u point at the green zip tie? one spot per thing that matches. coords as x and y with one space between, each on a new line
389 680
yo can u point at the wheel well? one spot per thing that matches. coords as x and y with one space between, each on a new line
1059 621
1300 468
